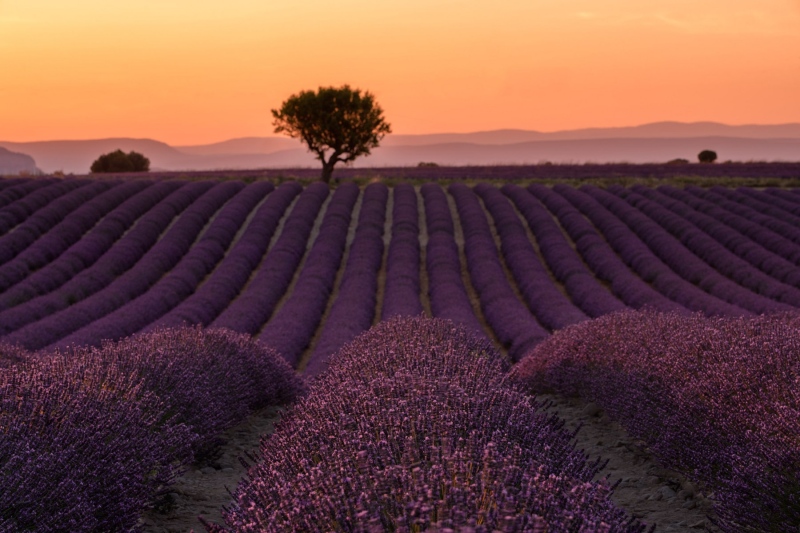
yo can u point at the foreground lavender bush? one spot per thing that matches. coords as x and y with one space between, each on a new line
715 398
92 436
412 428
212 378
84 446
11 354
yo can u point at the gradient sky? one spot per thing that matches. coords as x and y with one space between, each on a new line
201 71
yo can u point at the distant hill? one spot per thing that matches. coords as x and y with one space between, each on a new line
14 163
649 143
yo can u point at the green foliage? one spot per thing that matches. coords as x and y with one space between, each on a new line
341 120
707 156
119 161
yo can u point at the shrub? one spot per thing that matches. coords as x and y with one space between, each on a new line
714 398
707 156
412 428
119 161
12 354
91 437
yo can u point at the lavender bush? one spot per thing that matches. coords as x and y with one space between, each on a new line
44 219
566 265
11 354
633 290
224 284
414 429
256 302
65 233
91 246
729 279
292 327
447 293
148 269
354 308
638 256
755 244
120 258
92 436
18 202
714 398
84 446
545 300
401 294
759 212
181 281
508 317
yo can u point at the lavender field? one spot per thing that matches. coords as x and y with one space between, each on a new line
411 328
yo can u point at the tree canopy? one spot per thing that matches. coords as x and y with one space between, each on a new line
342 121
119 161
707 156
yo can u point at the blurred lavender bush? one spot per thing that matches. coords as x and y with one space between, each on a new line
714 398
90 437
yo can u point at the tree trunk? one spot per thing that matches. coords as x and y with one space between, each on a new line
327 171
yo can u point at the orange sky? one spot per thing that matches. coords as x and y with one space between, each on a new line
200 71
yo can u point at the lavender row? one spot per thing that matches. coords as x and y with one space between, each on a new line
753 243
412 429
446 290
354 308
566 265
69 230
638 256
715 399
86 251
757 212
6 183
121 257
508 317
548 304
18 202
181 281
216 292
707 261
401 296
93 437
44 219
293 326
248 312
634 290
777 199
148 269
767 205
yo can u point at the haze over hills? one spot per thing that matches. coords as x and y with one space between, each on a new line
15 163
648 143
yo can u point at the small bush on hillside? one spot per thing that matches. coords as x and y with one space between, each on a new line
119 161
707 156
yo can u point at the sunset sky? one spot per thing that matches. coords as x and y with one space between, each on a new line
201 71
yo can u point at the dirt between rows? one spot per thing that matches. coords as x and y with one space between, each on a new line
647 491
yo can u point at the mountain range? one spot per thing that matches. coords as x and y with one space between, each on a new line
648 143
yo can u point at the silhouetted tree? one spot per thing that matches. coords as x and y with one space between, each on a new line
119 161
338 119
707 156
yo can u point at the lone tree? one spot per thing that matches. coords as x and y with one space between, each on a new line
707 156
119 161
340 120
